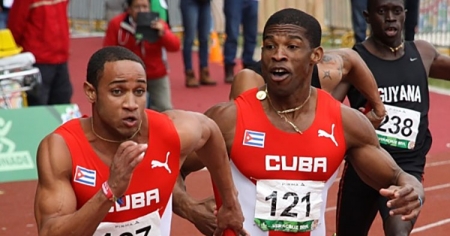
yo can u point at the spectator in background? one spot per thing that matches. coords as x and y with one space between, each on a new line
5 5
160 6
121 32
360 26
239 12
113 8
412 18
358 21
196 19
43 29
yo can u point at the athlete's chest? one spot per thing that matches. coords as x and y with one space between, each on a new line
313 155
150 186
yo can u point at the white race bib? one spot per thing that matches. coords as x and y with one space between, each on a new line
399 128
8 3
148 225
288 205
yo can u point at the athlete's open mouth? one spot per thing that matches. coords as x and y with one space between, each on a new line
279 72
130 119
391 31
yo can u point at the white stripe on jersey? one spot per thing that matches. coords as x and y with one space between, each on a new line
166 219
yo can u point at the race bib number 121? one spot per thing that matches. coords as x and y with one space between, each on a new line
288 205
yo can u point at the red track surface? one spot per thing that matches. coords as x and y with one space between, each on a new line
16 199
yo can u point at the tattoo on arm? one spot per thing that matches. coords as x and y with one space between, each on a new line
326 74
344 56
326 58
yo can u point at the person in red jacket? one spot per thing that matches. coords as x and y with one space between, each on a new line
121 32
43 29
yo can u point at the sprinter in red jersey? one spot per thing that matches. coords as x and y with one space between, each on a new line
113 173
287 139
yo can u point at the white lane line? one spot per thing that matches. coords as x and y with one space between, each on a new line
432 225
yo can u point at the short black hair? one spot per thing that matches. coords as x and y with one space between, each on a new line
129 3
107 54
371 3
293 16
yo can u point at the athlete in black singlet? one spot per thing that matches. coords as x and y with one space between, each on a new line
401 70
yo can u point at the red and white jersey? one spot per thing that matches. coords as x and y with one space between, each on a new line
147 203
283 178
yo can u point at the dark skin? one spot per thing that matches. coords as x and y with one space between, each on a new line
286 46
338 66
436 64
382 14
120 94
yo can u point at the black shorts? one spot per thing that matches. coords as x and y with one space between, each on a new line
358 203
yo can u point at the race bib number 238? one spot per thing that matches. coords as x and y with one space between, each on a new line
288 205
399 128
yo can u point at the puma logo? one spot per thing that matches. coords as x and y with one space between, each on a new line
156 163
323 133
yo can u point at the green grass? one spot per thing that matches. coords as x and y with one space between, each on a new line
439 83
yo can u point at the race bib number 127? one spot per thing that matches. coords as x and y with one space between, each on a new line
143 226
288 205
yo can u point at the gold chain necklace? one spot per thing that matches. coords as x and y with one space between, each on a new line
114 141
281 114
393 49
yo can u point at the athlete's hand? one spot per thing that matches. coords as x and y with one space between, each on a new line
371 115
127 157
403 200
230 218
202 216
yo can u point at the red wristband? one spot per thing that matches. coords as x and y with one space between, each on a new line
109 194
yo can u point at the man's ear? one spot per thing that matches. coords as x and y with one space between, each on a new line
317 55
90 92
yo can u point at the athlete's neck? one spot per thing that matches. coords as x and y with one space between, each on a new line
293 103
395 46
108 134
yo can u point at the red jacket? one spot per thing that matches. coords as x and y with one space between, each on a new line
120 32
42 28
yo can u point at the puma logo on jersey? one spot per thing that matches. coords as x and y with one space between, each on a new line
156 163
323 133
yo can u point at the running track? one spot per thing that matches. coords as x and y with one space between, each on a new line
16 199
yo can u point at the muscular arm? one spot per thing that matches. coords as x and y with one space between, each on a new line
181 200
439 63
55 202
372 163
244 80
356 72
198 212
183 204
200 134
